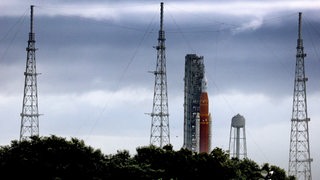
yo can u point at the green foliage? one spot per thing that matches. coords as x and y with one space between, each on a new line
50 158
57 158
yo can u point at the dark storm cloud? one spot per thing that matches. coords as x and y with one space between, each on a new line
95 54
78 54
260 60
75 51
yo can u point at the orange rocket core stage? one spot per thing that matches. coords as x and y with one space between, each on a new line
204 122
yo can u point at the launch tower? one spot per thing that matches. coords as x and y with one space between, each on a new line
194 88
194 73
299 154
160 134
29 115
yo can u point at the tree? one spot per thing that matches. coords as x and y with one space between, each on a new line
57 158
275 173
50 158
246 169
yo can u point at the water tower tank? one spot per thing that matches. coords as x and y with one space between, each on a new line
238 121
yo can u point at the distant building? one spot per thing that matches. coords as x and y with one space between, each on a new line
193 80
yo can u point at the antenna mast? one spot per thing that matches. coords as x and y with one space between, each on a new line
29 115
160 134
299 154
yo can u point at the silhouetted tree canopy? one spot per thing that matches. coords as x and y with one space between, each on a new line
57 158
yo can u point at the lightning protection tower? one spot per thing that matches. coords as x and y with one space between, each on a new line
160 134
237 141
29 115
299 154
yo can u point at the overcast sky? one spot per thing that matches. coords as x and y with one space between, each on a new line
94 59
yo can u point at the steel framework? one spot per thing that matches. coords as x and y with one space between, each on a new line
194 73
160 134
29 115
299 154
237 141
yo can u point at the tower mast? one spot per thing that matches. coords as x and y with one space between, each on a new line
29 115
160 134
299 154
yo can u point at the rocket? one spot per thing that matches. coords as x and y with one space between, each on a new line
205 119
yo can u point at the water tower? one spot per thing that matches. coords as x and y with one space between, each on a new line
237 141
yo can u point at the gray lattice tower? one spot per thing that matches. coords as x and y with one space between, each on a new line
299 154
160 134
29 115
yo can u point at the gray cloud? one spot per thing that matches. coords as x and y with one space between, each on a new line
76 52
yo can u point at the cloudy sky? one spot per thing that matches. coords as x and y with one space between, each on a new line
94 59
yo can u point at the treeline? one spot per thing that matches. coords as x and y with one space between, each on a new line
56 158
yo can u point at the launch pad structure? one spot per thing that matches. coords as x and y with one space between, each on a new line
197 119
